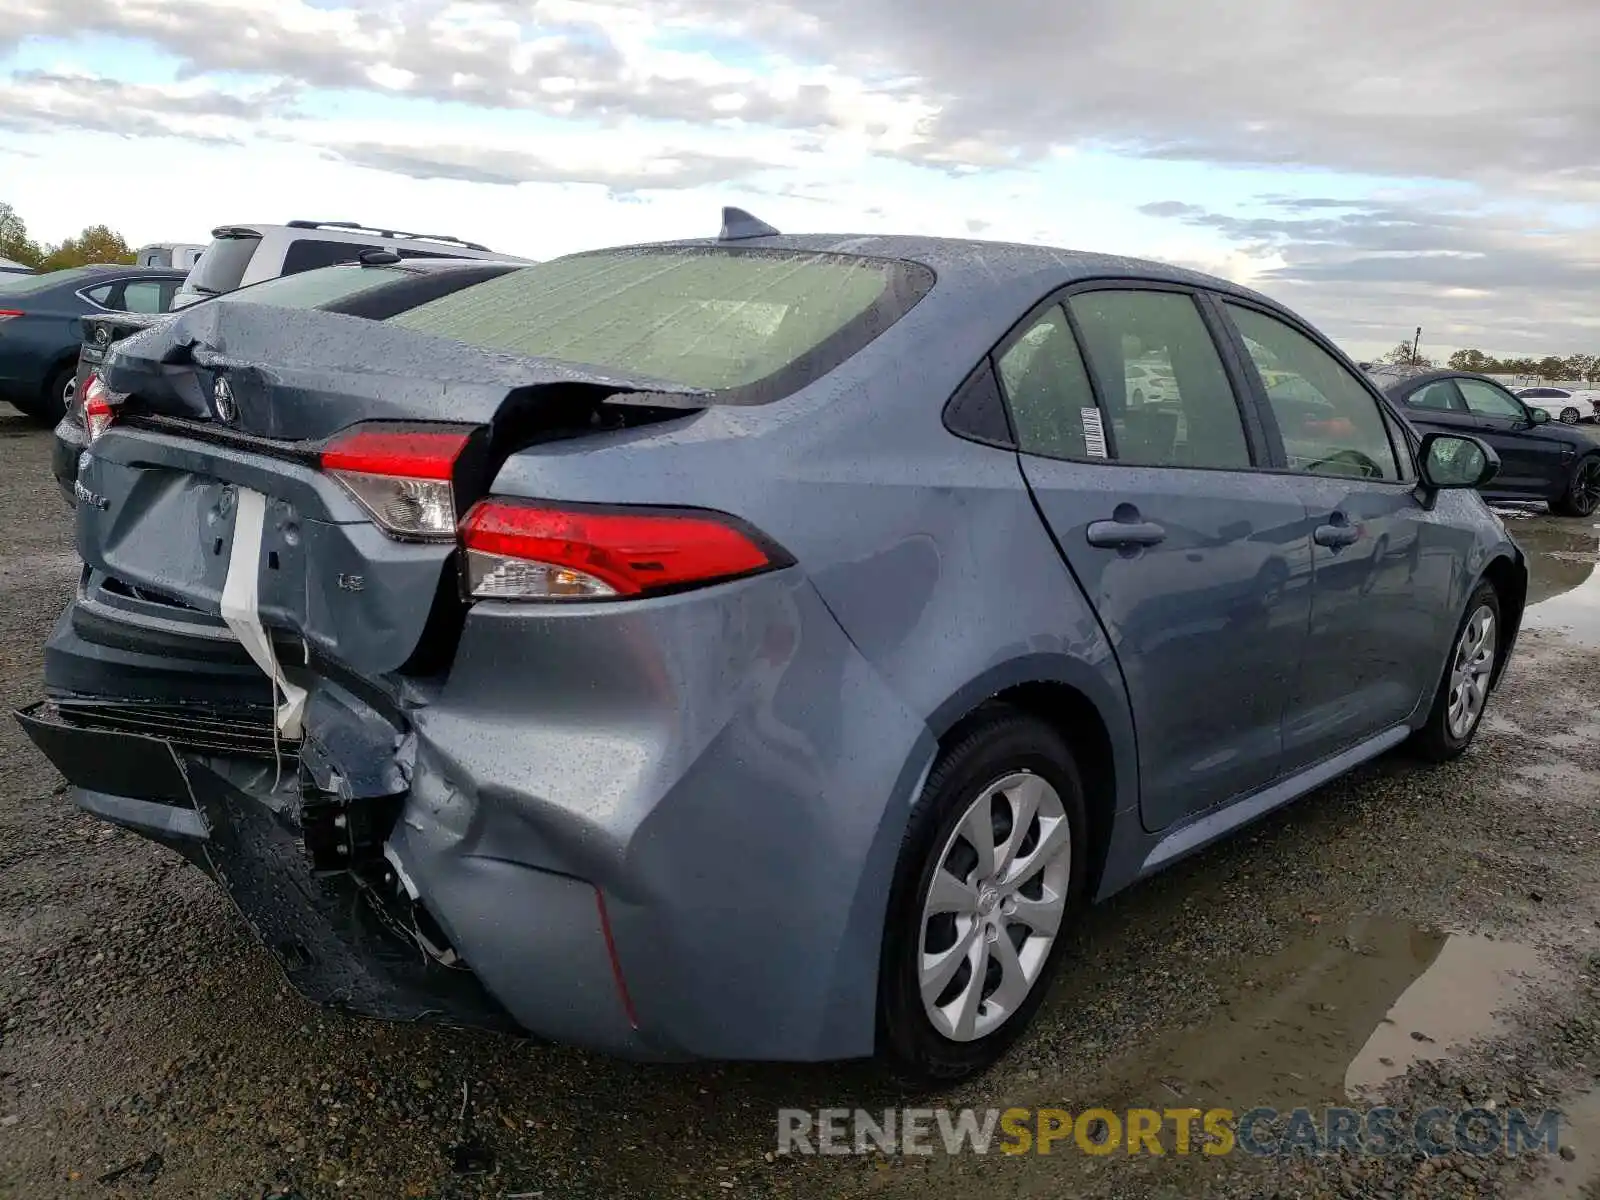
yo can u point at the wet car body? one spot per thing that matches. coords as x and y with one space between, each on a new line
376 289
668 827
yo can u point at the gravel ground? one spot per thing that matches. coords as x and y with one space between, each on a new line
148 1048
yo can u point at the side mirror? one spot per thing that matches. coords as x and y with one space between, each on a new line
1538 416
1448 460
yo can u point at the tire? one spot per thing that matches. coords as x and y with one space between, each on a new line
53 405
1444 737
1582 496
1004 757
1569 416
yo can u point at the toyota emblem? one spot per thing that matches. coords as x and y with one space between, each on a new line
222 400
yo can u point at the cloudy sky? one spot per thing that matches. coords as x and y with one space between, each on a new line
1375 165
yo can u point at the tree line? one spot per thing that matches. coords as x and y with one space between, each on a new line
1585 367
96 244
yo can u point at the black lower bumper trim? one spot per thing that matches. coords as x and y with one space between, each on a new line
342 938
102 760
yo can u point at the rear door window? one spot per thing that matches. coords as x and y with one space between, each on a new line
1330 424
304 254
750 324
1192 419
1048 389
1440 397
142 296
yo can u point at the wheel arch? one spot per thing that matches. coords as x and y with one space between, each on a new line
1092 718
1509 578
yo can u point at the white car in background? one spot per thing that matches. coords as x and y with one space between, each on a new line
1563 405
1150 383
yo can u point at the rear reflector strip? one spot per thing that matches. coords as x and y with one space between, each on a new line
616 963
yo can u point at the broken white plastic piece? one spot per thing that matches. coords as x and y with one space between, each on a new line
241 607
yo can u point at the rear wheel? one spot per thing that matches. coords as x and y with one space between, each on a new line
58 394
990 868
1464 690
1583 490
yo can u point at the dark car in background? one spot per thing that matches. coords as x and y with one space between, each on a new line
380 286
1539 459
40 331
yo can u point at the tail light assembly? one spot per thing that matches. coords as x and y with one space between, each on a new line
532 550
528 550
401 476
98 411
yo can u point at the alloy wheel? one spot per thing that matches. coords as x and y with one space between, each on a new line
1586 486
994 906
1469 673
1569 416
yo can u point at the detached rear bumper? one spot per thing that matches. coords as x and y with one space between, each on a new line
364 940
336 935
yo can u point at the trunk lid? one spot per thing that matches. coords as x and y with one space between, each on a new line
161 492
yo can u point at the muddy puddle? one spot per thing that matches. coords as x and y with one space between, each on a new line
1331 1019
1564 570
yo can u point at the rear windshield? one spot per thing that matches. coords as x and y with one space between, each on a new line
24 285
222 265
754 324
309 289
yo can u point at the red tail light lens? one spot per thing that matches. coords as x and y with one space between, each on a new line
7 313
98 412
401 476
525 550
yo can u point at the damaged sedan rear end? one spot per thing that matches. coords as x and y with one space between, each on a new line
369 631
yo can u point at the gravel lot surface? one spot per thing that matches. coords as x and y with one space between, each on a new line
148 1047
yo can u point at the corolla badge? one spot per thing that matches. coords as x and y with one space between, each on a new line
222 400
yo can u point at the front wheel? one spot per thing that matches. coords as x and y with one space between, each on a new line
1464 691
990 869
1583 491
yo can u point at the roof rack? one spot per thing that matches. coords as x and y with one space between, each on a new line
357 227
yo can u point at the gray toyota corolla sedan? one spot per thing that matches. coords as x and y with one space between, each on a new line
753 647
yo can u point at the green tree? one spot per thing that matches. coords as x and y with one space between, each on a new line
1401 356
15 243
96 244
1472 360
1550 367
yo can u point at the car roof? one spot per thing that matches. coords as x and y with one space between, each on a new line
973 260
1407 382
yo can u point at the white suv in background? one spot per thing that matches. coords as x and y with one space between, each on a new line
244 254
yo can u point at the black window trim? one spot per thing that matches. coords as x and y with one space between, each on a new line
1255 444
1258 389
118 282
1420 386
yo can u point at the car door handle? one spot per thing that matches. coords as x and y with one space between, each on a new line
1336 534
1113 535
